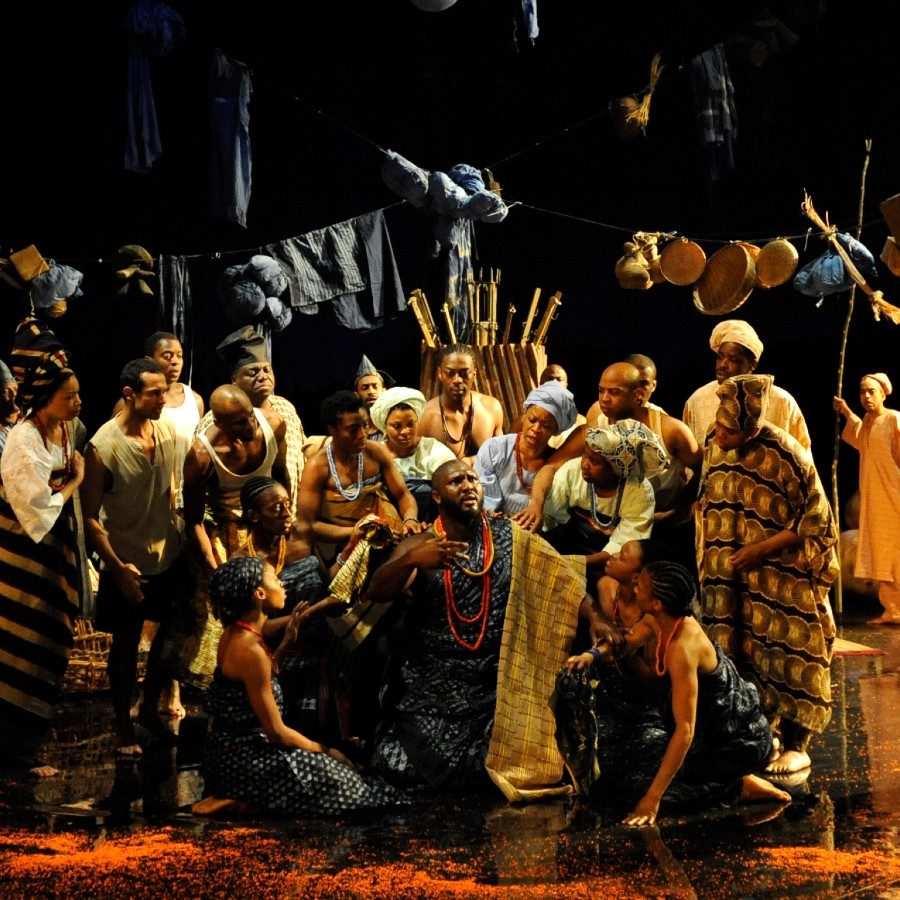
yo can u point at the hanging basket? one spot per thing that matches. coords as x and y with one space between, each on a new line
776 263
682 262
727 281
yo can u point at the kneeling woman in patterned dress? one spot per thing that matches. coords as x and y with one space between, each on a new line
252 760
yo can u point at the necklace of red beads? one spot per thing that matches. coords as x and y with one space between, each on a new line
662 665
453 612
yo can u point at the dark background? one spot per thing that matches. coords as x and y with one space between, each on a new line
336 83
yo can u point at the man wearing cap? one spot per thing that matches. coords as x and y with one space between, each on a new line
246 354
738 348
369 384
766 560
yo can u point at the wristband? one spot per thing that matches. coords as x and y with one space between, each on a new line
340 560
411 519
596 654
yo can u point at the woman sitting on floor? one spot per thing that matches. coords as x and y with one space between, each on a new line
252 760
718 733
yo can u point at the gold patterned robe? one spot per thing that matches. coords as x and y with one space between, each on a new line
774 620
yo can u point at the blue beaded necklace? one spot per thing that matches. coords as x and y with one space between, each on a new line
348 494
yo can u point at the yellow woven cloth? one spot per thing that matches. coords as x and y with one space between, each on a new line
546 590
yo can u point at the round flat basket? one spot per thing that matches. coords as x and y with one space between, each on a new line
727 281
776 263
682 262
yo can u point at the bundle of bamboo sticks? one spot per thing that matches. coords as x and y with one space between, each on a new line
505 370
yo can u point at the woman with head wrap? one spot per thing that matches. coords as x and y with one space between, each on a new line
877 438
507 464
604 499
396 415
716 732
251 758
41 471
766 554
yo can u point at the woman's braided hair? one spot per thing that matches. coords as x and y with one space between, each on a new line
673 585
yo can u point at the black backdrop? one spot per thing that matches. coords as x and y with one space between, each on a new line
336 83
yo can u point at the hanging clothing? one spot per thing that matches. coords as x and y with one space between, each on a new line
154 29
350 264
714 109
230 167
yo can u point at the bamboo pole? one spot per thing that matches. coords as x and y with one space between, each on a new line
835 503
448 321
555 301
532 311
510 312
413 303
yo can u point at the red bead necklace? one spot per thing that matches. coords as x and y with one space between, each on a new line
453 612
262 643
663 664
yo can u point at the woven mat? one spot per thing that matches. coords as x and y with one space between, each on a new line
850 648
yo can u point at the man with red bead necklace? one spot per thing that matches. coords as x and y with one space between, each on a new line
492 610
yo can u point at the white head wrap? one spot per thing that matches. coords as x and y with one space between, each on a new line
883 380
629 447
392 397
736 331
557 400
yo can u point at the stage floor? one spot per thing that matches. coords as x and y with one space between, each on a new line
122 829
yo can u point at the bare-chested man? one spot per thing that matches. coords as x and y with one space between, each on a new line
460 417
622 396
350 478
647 369
240 443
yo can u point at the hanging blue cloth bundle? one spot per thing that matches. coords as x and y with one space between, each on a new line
827 273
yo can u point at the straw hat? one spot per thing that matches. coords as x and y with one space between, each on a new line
682 262
727 280
776 263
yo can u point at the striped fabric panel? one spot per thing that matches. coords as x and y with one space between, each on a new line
541 617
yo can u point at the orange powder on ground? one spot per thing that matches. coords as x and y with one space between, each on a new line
817 861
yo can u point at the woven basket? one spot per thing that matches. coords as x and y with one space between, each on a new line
682 262
890 256
86 671
727 281
776 263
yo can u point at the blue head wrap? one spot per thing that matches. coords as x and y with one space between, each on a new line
557 400
232 585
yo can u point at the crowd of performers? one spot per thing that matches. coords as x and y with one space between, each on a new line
620 603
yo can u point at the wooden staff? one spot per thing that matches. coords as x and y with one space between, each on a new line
448 321
413 304
532 311
470 300
430 319
510 312
492 306
555 301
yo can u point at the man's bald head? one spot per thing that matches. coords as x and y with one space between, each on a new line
620 391
457 491
554 372
228 399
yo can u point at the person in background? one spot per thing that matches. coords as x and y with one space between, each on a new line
247 356
766 560
877 439
369 385
40 470
458 409
396 415
9 410
738 350
508 464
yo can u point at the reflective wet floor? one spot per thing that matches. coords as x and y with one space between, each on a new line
106 828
